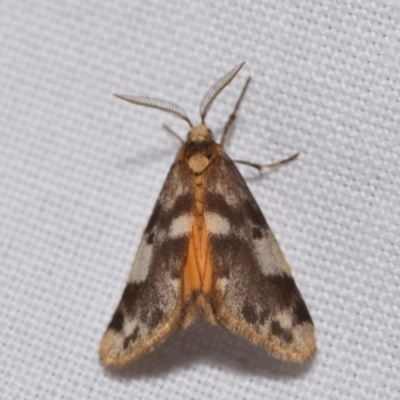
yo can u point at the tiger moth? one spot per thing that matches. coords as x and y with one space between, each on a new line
208 249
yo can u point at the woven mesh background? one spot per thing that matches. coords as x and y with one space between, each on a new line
80 172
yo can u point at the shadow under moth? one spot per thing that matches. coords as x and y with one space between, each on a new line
207 248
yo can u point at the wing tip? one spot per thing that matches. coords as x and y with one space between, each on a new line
298 346
303 349
112 352
115 351
109 352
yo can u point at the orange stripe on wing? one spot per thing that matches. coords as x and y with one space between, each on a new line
197 272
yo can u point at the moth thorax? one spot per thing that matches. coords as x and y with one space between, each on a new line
198 148
199 133
198 163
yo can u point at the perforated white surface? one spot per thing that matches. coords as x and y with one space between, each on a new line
80 172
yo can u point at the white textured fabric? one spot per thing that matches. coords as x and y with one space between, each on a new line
80 171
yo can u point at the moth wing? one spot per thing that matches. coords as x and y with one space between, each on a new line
150 307
254 291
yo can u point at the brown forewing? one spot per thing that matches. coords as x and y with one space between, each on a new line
254 292
150 308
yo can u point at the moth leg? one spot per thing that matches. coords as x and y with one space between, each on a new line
260 167
173 133
232 117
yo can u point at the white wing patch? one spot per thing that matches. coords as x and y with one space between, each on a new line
181 225
168 199
129 327
270 258
216 224
222 188
141 265
285 318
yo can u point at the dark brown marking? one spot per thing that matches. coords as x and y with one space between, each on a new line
161 219
264 315
131 338
150 239
281 288
144 315
203 147
256 233
300 313
183 204
154 217
227 253
117 321
254 214
283 333
130 296
215 202
156 317
249 313
170 256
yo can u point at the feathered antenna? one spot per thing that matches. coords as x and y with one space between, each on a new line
216 89
160 104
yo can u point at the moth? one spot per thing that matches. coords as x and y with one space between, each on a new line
207 248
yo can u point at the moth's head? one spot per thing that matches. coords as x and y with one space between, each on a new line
199 132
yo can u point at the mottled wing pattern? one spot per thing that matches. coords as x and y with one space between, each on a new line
151 304
254 292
